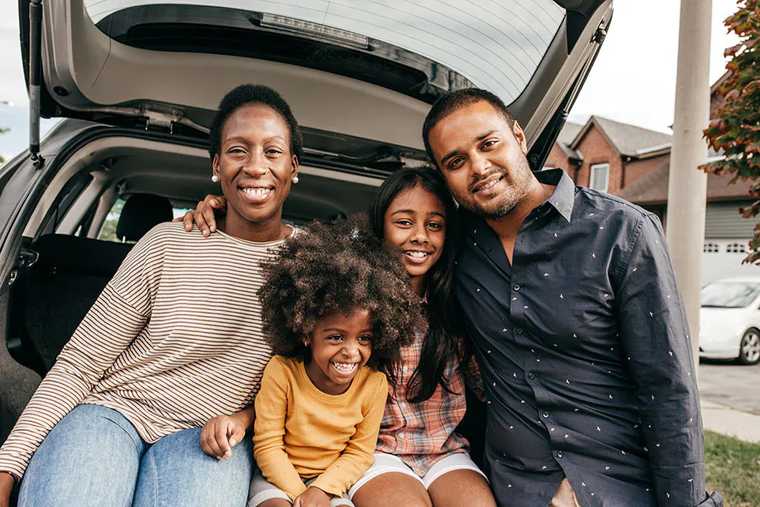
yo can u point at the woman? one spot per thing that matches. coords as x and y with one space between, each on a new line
117 420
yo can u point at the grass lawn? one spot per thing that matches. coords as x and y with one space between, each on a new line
733 468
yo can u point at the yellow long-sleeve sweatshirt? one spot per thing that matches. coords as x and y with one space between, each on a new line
301 432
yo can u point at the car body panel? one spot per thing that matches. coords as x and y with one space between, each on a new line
87 74
721 329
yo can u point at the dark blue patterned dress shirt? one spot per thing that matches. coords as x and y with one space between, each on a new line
585 355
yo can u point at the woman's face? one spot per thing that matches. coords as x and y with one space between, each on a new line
255 165
340 345
415 223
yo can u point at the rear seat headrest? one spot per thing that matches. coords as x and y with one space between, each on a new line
140 214
70 254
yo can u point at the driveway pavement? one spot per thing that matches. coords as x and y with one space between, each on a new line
731 385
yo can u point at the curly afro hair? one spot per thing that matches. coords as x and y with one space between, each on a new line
333 269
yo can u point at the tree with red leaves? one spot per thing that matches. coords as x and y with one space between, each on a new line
735 129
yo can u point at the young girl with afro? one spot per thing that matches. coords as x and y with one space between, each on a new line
338 308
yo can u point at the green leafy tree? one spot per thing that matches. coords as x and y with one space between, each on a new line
735 127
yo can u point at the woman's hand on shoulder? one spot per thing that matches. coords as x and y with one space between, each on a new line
6 488
223 432
203 216
312 497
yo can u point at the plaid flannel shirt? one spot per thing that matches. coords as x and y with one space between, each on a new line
423 433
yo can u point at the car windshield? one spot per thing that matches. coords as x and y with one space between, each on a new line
495 45
729 294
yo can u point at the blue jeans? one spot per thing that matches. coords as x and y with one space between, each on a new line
94 457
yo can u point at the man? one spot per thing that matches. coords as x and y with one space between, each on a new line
571 303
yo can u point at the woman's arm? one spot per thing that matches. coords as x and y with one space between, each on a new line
269 431
117 317
359 453
6 488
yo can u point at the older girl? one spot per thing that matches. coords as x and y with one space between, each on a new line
420 458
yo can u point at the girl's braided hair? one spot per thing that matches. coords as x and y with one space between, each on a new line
332 269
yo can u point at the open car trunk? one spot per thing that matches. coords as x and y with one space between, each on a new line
369 70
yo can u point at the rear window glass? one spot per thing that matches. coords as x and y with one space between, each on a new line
108 229
729 294
496 45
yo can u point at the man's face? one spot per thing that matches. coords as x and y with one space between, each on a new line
482 159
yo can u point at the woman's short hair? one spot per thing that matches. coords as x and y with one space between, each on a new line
248 94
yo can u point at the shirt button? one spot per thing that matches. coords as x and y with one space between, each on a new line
545 414
516 287
531 375
559 454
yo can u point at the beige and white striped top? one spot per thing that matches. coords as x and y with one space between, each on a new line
174 339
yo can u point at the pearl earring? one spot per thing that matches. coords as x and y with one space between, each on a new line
295 179
215 178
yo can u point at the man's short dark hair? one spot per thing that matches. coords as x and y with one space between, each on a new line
247 94
451 102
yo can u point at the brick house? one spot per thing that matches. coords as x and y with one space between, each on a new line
634 163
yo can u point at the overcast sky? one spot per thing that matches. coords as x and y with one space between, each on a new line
633 79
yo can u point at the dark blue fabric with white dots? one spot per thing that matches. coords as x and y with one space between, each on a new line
585 355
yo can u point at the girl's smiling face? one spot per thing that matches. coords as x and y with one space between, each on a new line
415 223
340 344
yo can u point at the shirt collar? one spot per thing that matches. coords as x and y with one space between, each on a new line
563 197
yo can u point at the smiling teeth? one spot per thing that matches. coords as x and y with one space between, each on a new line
488 185
257 191
417 254
344 367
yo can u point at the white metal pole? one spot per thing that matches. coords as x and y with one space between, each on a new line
687 186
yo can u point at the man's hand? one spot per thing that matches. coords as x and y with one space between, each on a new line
312 497
203 214
565 496
6 487
224 432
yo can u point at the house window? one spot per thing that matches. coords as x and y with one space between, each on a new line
711 248
600 177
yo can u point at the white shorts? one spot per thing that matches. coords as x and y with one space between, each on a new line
389 463
263 490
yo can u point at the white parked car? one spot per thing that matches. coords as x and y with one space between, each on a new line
730 320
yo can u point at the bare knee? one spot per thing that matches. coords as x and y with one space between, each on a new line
461 487
275 502
392 489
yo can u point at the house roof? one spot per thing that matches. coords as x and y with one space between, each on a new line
653 188
719 82
566 137
628 140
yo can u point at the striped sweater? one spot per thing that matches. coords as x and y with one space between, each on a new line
174 339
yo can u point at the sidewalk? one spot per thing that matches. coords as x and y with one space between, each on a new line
727 421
